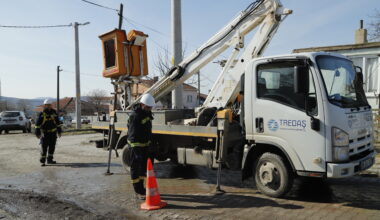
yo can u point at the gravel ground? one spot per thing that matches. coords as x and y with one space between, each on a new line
76 188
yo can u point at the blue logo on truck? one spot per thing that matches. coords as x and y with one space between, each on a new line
272 125
287 124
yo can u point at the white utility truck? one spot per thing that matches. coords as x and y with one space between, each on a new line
273 118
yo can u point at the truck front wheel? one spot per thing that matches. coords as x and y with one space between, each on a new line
272 176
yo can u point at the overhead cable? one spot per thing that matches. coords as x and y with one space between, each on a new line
102 6
39 26
147 27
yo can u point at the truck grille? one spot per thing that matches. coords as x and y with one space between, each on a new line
360 147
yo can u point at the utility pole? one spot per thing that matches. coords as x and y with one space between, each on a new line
177 50
120 16
58 70
199 88
1 99
77 75
0 90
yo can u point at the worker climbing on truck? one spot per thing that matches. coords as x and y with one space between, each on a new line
139 139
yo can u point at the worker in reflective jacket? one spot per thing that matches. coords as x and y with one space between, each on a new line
48 127
139 139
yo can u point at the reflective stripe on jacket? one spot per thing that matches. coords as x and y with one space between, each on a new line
48 121
137 144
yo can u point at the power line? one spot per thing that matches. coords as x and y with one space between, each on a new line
129 20
135 23
155 42
38 26
102 6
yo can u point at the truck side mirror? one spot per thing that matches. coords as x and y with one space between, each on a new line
359 74
301 79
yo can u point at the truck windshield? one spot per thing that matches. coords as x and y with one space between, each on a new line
343 87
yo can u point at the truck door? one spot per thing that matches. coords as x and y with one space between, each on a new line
279 115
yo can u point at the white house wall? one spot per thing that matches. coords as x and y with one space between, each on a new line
189 104
365 54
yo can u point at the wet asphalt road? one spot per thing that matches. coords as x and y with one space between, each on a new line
76 188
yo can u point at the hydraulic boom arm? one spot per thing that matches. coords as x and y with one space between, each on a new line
269 13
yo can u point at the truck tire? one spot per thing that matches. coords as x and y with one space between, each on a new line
125 158
272 176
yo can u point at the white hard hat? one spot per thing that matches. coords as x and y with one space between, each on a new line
47 102
148 100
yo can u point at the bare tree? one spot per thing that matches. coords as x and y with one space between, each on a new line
163 64
98 97
374 26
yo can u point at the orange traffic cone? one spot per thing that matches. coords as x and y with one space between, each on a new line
153 199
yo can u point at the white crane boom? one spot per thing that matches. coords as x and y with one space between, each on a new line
268 13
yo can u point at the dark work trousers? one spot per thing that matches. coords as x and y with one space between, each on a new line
138 159
48 141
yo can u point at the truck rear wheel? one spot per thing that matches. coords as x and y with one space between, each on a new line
272 176
125 158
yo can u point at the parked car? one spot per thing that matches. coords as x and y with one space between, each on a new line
14 120
85 120
66 121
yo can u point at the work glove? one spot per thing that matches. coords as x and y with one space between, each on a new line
59 131
38 133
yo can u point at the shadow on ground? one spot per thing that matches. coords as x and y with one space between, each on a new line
311 190
224 201
359 192
83 165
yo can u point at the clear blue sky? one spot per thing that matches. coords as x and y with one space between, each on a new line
29 57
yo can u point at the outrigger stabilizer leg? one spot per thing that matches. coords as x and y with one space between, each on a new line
218 190
110 147
112 133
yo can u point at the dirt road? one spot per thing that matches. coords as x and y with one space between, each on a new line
76 188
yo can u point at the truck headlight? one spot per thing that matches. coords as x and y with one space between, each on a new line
340 148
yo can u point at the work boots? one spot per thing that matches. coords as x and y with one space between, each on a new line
50 160
42 160
139 188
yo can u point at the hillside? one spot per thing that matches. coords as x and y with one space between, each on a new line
19 103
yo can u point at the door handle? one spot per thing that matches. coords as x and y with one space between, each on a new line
259 125
315 124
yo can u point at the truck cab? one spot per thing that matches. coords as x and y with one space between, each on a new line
310 109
